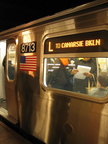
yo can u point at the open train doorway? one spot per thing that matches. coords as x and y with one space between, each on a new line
2 74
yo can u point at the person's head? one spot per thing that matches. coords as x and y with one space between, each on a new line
103 79
9 62
86 59
64 61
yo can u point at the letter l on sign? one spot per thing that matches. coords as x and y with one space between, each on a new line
49 48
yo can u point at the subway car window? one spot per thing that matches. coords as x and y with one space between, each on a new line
80 75
11 61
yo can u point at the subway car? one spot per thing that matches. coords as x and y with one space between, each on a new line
53 76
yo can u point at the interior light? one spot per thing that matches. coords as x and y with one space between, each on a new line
16 41
25 32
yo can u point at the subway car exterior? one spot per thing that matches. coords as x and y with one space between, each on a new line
31 53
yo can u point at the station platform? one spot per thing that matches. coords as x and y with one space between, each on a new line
10 133
9 136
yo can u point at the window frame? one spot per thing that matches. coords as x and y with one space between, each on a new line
11 80
70 93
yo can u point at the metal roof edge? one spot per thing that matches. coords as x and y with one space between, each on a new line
58 14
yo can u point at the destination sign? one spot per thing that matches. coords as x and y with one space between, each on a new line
29 47
86 42
82 43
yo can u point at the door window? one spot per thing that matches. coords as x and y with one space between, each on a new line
11 61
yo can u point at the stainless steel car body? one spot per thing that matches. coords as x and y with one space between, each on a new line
52 115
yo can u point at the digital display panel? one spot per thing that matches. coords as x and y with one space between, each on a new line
84 42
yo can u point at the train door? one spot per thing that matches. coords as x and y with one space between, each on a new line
11 78
27 81
2 74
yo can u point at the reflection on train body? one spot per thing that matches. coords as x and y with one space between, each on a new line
55 76
78 75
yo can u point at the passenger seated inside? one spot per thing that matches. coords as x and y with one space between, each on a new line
60 78
102 88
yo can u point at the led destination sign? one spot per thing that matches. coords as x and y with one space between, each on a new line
82 43
86 42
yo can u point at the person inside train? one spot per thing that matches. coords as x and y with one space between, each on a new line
4 63
102 88
60 77
10 70
80 84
